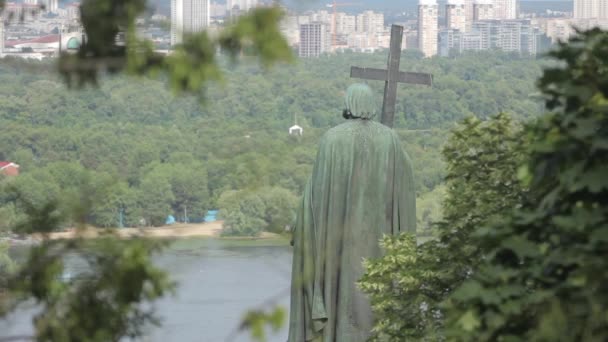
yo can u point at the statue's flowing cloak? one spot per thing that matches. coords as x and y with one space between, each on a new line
361 188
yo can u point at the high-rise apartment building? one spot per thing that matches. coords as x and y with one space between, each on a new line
73 11
603 7
188 16
241 5
505 9
345 24
509 36
468 13
314 39
427 27
51 6
483 10
455 15
591 9
370 22
515 36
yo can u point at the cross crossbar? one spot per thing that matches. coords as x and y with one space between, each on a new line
381 75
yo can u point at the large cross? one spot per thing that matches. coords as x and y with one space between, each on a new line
392 76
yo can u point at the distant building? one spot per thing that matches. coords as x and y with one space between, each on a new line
241 5
14 12
296 130
290 29
188 16
345 24
559 29
449 42
9 169
218 10
455 15
73 12
48 45
517 36
51 6
468 13
427 27
505 9
370 22
314 39
590 9
483 10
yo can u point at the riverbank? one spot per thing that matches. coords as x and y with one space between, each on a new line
176 231
212 229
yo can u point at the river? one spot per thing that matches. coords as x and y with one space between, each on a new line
218 282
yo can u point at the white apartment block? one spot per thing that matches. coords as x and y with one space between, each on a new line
509 36
427 27
241 5
560 30
363 42
590 9
315 39
455 15
73 12
51 6
505 9
321 16
370 22
188 16
468 13
517 36
345 24
483 10
290 29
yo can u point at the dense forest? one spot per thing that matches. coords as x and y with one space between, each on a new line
142 153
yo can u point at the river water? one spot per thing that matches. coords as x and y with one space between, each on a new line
218 283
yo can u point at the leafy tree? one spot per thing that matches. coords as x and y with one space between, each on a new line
544 272
280 208
156 196
245 216
104 304
251 212
408 285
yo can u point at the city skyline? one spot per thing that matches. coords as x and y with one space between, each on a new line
435 28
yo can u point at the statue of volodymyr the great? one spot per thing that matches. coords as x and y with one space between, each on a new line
361 188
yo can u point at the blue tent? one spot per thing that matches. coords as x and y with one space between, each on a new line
170 220
211 216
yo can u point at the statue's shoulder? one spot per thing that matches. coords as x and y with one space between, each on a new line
357 128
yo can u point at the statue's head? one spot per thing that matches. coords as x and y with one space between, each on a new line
360 102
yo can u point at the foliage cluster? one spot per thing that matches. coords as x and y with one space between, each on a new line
518 259
108 302
247 213
544 269
408 285
144 138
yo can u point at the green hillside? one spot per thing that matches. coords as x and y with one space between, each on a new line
146 153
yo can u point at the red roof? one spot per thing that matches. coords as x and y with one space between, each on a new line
44 39
4 164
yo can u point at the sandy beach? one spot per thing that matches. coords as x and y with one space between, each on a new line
181 230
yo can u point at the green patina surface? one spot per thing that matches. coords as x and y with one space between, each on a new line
361 188
360 101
